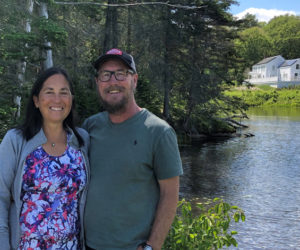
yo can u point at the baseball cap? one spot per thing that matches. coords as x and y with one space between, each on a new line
116 53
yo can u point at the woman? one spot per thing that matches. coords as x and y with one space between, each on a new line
44 171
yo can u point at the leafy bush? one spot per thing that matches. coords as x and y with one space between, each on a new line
209 230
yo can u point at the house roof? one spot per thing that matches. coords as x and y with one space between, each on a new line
266 60
288 63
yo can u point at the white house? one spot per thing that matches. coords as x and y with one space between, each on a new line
276 72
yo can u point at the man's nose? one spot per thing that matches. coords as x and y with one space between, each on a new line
113 78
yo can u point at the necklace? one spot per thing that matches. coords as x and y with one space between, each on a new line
53 144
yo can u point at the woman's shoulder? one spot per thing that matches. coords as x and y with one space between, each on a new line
14 135
84 135
12 142
82 132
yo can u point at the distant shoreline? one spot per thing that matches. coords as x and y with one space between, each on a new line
267 96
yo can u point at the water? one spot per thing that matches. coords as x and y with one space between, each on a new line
260 174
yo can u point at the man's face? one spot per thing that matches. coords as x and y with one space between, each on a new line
116 95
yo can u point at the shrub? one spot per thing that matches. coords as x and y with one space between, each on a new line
209 230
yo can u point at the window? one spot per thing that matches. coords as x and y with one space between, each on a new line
297 66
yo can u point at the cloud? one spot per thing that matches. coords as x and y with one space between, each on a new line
264 15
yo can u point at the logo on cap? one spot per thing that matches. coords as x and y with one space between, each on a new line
114 52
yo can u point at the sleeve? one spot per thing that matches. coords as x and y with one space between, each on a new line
8 163
167 161
85 124
86 138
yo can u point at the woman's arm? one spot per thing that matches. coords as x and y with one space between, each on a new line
7 173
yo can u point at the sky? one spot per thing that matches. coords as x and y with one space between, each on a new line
264 10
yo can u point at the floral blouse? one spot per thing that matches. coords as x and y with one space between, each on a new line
51 191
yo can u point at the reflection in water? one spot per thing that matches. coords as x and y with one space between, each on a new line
260 174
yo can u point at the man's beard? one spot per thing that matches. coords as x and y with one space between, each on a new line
119 107
115 108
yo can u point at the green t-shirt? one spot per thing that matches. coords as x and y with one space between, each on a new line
126 160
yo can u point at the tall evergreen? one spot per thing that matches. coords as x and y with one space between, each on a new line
184 52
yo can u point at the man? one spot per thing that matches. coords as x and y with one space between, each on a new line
135 165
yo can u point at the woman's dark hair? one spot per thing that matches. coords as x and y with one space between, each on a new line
33 120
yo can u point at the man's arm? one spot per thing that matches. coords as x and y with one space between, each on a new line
165 212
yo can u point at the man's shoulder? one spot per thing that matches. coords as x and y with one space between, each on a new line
153 120
93 120
97 116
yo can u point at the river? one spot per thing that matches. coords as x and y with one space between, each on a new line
260 174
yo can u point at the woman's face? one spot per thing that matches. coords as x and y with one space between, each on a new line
54 100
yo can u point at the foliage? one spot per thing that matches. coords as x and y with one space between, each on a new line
199 78
284 32
280 36
208 230
183 66
267 96
254 45
148 96
88 101
51 30
249 21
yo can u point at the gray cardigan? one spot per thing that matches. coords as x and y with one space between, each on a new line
13 151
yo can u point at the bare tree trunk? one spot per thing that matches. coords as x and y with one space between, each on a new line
47 52
21 67
129 30
114 31
166 77
111 24
106 42
192 83
166 111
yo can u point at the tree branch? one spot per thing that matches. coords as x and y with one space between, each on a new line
131 4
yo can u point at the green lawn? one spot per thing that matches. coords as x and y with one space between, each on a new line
267 96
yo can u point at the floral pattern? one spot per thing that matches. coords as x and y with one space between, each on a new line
51 191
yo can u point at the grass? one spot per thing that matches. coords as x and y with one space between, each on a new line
265 95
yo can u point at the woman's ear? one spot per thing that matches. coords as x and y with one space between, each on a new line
36 101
